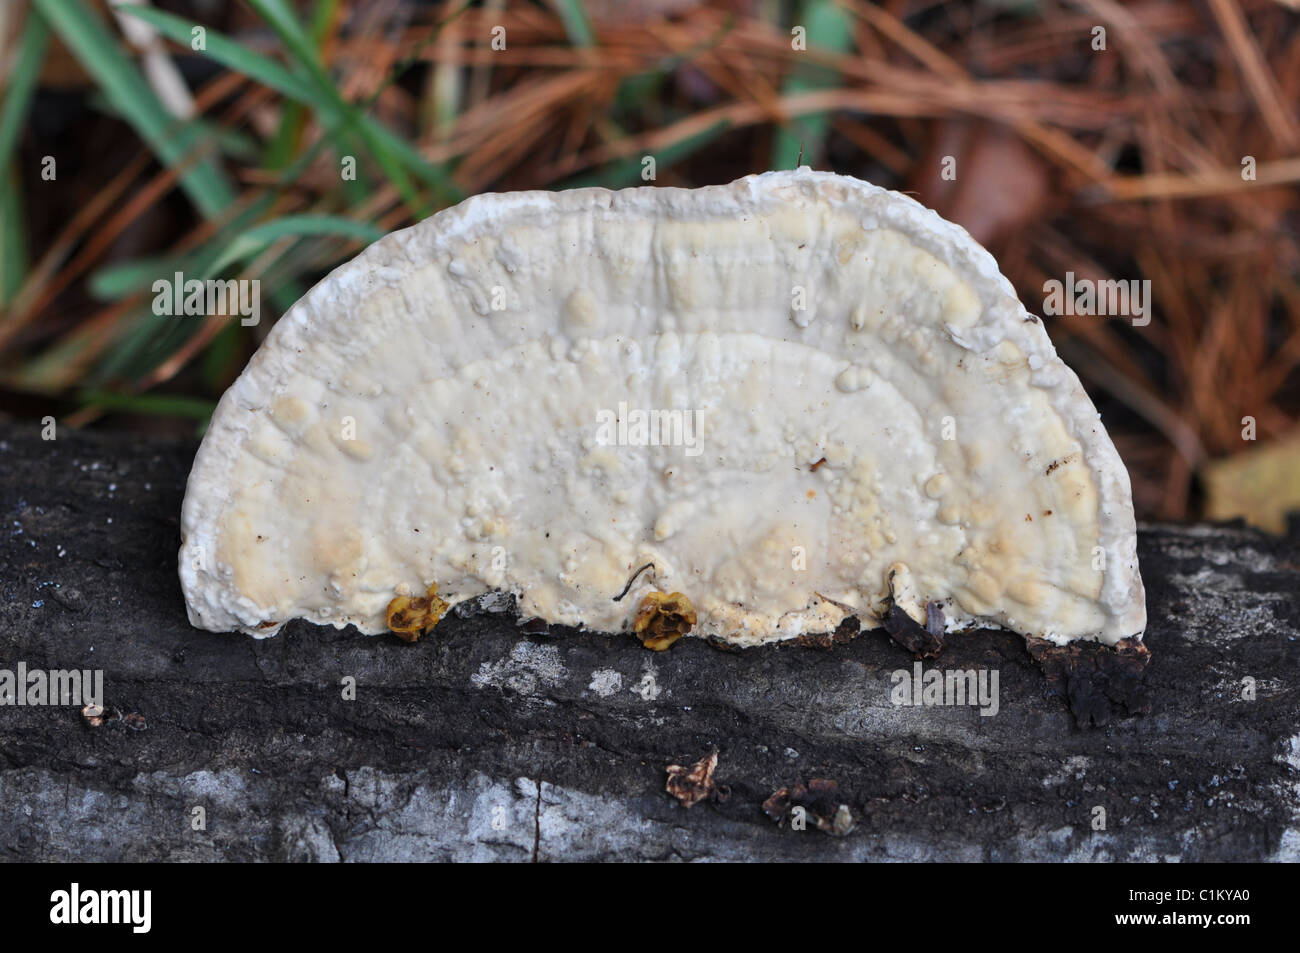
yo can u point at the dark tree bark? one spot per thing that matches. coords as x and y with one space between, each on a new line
483 741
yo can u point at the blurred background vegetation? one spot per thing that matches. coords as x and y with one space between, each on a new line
1124 162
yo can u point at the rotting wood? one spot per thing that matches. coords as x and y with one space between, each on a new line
486 741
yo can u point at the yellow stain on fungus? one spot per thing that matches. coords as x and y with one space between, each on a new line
662 619
411 617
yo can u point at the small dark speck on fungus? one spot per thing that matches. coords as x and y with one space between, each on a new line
411 617
662 619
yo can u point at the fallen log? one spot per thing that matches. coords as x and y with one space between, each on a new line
489 740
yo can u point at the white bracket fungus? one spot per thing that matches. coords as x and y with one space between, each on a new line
796 397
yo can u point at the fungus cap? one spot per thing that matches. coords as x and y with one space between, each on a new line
798 396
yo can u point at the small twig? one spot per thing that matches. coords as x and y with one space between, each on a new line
619 597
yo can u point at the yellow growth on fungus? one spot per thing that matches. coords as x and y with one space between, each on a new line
662 619
411 617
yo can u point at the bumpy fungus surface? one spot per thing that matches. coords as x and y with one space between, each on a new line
800 397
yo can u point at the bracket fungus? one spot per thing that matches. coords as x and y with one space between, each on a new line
799 396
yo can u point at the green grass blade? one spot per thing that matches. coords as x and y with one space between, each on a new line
220 361
162 405
233 55
288 133
22 84
13 236
280 16
17 102
828 30
97 50
262 69
259 236
576 24
282 19
390 150
116 281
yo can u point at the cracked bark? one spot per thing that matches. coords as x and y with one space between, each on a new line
442 753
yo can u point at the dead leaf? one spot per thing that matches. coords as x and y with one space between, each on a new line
694 784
